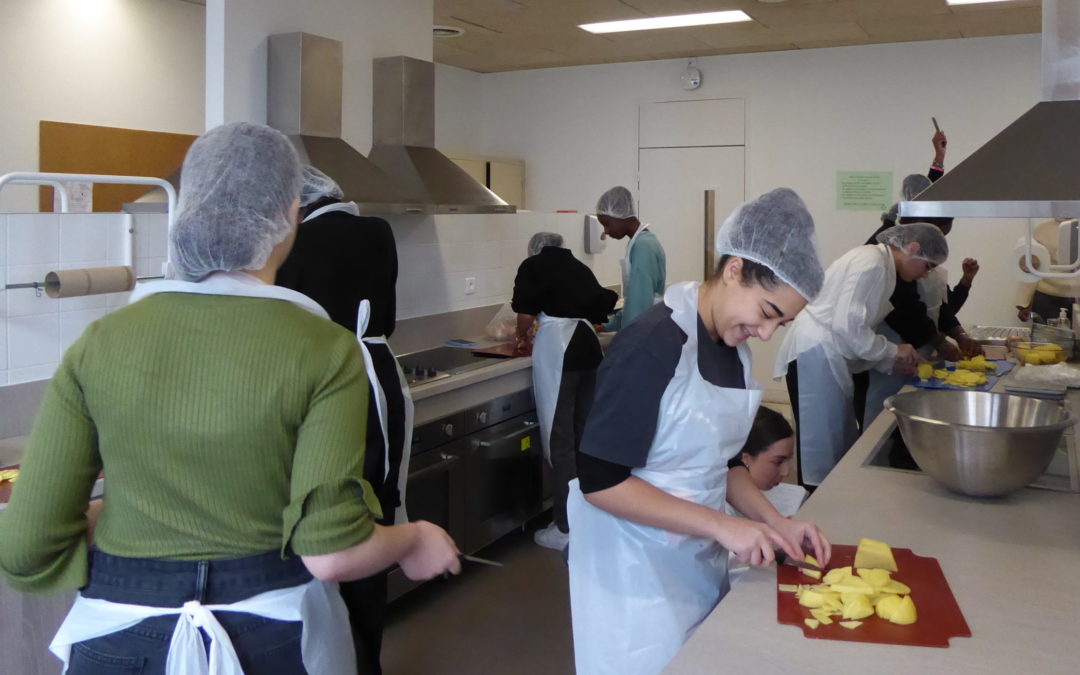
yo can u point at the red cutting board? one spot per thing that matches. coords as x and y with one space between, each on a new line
939 617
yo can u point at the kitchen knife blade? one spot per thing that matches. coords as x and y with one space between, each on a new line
482 561
787 560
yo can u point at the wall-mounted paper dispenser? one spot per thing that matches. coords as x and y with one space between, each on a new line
594 235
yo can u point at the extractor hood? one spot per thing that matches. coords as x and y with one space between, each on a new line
404 174
404 141
304 75
1031 168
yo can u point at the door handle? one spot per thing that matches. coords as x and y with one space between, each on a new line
529 425
445 461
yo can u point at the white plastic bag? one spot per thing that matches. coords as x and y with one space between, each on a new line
503 326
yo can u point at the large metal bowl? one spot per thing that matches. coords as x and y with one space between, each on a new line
978 443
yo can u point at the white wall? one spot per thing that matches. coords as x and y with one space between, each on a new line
810 113
121 63
436 255
236 51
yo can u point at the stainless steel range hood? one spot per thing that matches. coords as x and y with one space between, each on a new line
404 141
405 174
1030 169
304 75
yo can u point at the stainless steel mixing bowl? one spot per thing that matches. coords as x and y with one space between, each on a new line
978 443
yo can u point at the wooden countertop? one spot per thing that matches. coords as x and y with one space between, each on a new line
1010 562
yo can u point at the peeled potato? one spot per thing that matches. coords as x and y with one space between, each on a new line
905 613
874 554
887 606
858 608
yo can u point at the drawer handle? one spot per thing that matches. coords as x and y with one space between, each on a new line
513 434
446 460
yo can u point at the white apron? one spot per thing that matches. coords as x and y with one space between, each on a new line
624 264
549 350
326 642
362 316
638 592
347 207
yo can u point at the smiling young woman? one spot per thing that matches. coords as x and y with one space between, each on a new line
649 535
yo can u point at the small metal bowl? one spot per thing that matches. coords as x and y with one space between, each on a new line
979 443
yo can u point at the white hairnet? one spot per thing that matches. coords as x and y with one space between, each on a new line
932 245
318 185
236 186
542 239
913 184
616 202
777 231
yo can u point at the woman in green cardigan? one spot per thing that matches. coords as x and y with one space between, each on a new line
229 417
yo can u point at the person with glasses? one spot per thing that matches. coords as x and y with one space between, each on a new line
837 336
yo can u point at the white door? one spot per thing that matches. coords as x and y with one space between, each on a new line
672 185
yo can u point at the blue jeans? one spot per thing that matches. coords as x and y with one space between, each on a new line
264 646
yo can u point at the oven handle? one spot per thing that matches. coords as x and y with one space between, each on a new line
529 425
446 460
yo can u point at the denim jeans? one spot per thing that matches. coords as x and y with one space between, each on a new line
264 646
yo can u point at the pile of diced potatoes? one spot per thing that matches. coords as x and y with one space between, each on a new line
969 373
1038 354
856 592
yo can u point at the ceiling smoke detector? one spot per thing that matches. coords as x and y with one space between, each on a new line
447 31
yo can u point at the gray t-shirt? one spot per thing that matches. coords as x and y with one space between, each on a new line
631 382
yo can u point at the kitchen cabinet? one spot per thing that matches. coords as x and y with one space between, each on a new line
504 177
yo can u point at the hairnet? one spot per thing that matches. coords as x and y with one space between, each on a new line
542 239
913 184
932 245
777 231
318 185
616 202
236 186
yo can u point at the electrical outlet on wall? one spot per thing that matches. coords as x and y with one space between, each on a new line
470 285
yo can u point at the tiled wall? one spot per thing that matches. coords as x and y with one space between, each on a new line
36 330
437 254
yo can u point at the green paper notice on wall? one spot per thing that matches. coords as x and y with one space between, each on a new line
863 190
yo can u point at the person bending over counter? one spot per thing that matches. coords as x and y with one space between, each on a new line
835 337
228 416
649 538
561 291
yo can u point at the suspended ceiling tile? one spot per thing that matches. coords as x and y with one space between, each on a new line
1002 22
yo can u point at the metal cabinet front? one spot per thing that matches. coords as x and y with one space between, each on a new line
503 479
436 493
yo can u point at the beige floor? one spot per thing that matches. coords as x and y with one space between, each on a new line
513 619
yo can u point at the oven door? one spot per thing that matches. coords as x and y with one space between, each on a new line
435 492
503 477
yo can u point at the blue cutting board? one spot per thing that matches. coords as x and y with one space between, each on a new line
937 383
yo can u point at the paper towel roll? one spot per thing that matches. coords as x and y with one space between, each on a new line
1017 260
89 281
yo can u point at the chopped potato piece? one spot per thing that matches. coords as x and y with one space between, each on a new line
858 608
905 613
811 599
874 554
851 624
822 615
813 623
788 588
837 574
887 606
895 587
926 370
875 577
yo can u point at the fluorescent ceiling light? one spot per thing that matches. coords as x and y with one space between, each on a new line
972 2
679 21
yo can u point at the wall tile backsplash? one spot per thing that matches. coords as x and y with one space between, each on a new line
436 254
35 330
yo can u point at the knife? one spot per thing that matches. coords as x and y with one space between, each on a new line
784 559
482 561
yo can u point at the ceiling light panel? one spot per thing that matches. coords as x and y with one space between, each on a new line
656 22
